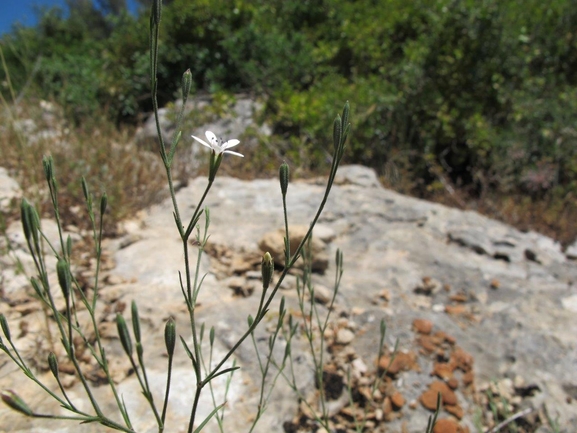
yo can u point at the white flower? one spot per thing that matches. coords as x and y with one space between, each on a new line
218 145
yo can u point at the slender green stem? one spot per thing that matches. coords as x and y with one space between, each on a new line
148 394
272 294
196 399
146 391
168 379
197 211
286 229
20 363
173 196
63 391
191 309
98 246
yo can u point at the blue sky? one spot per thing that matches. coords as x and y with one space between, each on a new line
22 11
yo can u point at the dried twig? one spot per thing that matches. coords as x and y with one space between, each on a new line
509 420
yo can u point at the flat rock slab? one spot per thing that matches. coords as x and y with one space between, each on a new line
507 298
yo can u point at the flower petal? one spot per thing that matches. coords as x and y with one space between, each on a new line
202 141
234 153
212 140
230 143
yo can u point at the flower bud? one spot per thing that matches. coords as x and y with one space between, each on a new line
124 334
85 190
284 177
103 204
15 402
211 336
64 277
201 333
135 321
69 246
186 83
48 164
139 349
170 337
30 222
5 328
27 222
53 364
267 270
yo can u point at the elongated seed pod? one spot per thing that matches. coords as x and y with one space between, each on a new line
64 277
284 177
15 402
135 321
53 364
186 83
124 334
5 328
267 270
170 336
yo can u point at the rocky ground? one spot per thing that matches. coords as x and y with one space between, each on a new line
483 313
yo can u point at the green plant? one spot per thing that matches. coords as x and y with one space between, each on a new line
67 322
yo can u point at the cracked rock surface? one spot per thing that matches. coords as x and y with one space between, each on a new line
475 304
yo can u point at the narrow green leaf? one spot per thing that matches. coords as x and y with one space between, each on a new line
226 370
86 191
208 418
337 132
345 116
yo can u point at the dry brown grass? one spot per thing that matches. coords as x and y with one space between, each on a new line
106 156
134 178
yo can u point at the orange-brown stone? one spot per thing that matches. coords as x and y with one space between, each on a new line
445 337
453 383
423 326
401 362
398 400
447 394
467 378
455 410
443 370
387 407
462 360
459 297
456 310
446 425
429 399
427 343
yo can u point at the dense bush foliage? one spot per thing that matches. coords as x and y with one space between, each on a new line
477 94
